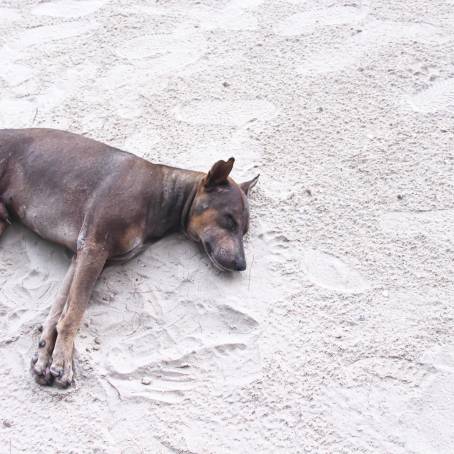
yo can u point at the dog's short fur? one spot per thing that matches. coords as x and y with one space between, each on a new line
105 205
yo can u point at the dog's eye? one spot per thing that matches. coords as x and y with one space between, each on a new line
229 223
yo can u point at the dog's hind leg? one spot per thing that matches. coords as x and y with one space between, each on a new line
42 358
89 264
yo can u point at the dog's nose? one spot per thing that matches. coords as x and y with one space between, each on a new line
240 264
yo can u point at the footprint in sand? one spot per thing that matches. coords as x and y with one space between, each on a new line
426 419
14 73
47 33
230 113
165 53
227 19
432 425
329 61
376 404
8 15
436 223
170 381
193 342
122 77
374 35
438 97
67 8
21 112
308 21
235 15
114 89
379 33
332 273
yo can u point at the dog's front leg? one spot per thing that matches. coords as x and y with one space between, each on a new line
42 359
3 226
89 264
4 218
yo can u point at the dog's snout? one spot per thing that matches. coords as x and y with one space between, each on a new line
226 255
240 264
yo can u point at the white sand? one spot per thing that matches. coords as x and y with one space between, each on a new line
339 336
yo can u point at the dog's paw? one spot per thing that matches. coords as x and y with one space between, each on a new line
40 367
62 372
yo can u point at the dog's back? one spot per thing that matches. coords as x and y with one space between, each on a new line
49 177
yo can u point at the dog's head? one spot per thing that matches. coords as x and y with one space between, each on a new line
219 217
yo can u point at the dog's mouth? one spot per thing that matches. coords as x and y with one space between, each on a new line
208 251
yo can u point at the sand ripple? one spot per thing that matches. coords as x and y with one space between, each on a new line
165 53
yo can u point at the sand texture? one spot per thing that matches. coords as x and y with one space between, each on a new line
338 338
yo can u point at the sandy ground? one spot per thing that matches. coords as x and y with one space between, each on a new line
339 336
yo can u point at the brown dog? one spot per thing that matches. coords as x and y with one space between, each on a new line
104 205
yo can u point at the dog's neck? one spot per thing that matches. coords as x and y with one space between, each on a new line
169 212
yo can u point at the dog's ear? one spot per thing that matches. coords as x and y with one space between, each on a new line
219 173
248 185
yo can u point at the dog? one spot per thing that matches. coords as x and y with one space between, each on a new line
106 205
